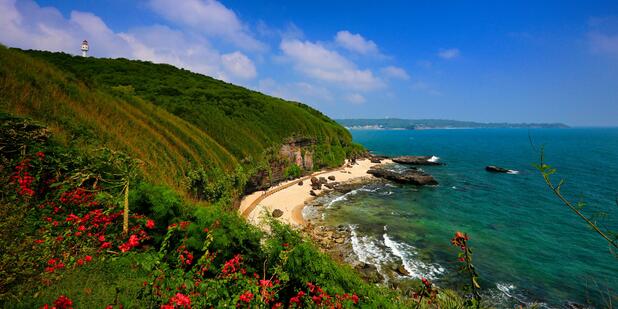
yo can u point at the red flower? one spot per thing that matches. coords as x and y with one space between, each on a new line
181 300
150 224
88 258
41 155
63 302
80 262
106 245
354 299
246 297
285 245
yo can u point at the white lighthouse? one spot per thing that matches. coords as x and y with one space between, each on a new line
85 48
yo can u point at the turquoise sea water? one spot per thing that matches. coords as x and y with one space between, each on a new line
527 246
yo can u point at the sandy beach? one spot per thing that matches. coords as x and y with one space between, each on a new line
291 198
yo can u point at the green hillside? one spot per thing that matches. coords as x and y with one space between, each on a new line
175 121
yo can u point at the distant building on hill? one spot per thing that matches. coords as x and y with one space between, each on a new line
85 48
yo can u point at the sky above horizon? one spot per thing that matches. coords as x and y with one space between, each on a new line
488 61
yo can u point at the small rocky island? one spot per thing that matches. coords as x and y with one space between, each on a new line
417 160
496 169
408 176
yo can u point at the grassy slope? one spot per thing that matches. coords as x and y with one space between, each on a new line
171 119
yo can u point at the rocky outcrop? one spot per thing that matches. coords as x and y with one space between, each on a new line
496 169
417 160
331 177
408 176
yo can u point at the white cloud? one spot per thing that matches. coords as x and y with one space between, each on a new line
448 54
209 17
239 65
30 26
603 43
356 43
355 98
395 72
318 62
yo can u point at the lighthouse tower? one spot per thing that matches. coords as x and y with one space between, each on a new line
85 48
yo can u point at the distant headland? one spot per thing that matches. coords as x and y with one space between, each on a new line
424 124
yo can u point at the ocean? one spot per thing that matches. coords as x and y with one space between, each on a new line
528 247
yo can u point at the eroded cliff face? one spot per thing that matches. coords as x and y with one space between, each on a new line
298 150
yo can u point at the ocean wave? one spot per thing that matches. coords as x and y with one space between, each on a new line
514 172
508 295
345 196
368 251
433 159
407 254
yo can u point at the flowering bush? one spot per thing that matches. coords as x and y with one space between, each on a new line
182 278
75 221
460 240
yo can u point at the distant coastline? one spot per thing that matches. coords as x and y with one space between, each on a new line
429 124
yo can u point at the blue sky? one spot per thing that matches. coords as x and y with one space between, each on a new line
523 61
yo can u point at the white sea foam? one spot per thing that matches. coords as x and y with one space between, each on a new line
345 196
514 172
367 250
433 159
407 254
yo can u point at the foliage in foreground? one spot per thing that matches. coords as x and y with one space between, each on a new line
64 245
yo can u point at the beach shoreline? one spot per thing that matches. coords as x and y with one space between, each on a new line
291 198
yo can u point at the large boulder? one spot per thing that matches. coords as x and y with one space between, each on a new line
331 177
315 180
312 193
277 213
409 176
300 183
323 180
496 169
417 160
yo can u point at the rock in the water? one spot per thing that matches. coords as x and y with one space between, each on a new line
410 176
277 213
496 169
417 160
402 271
314 180
375 160
312 193
323 180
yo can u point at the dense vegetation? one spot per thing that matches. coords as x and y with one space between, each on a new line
76 134
415 124
178 123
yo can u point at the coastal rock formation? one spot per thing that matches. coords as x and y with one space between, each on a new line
314 181
331 177
323 180
417 160
312 193
496 169
402 271
277 213
375 160
410 176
